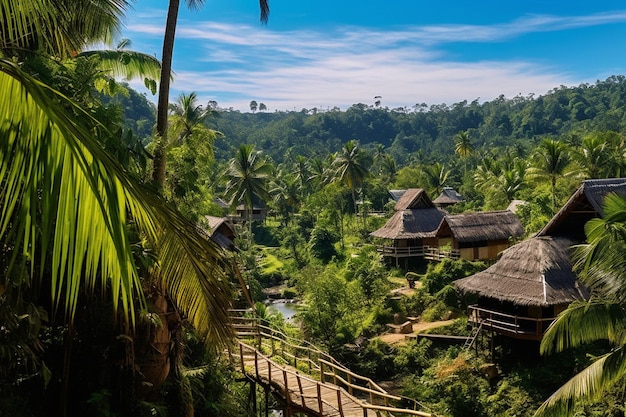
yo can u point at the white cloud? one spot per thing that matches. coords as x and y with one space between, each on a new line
234 63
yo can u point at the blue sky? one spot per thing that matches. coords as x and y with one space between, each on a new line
322 53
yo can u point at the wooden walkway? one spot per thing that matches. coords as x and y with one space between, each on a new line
328 390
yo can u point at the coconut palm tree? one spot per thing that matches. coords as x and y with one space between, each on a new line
552 161
436 176
595 156
248 179
462 144
351 168
603 317
158 174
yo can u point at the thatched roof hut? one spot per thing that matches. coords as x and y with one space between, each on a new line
448 197
411 224
585 204
481 226
535 272
416 217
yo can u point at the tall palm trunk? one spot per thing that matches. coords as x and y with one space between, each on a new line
158 173
154 350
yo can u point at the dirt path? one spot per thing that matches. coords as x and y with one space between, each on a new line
397 338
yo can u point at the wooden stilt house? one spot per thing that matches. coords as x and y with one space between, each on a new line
521 294
412 228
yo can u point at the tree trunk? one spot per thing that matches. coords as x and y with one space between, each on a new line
158 172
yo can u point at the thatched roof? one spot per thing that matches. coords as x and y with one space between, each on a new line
535 272
216 222
221 231
481 226
448 196
396 194
413 198
411 224
585 204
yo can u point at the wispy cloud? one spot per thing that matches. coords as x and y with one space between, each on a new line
234 63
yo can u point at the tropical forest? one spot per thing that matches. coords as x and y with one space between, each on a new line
172 257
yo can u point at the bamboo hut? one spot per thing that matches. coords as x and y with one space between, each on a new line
521 294
411 228
479 235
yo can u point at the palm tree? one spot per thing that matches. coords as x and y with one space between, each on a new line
188 117
351 168
69 209
552 161
603 317
286 193
462 144
436 176
158 174
248 177
595 157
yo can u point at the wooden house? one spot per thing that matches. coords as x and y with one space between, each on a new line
259 212
412 227
521 294
479 235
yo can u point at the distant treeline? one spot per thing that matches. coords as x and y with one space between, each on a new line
425 133
421 133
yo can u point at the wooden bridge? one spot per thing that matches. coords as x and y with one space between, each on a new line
308 380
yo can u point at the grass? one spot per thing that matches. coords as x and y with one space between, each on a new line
270 263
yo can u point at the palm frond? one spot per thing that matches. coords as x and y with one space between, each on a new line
591 382
61 193
60 28
583 322
127 64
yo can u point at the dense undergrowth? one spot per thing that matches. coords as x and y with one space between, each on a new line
346 301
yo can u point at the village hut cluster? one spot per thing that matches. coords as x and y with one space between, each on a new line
423 229
529 282
533 281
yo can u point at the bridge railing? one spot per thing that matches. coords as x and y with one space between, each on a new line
307 357
366 389
308 394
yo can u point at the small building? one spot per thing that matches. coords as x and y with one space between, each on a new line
520 295
448 197
221 231
479 235
259 213
411 228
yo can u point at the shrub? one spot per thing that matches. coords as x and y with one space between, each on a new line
439 275
436 311
322 244
290 293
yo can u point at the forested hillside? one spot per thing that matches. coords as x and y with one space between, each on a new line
424 132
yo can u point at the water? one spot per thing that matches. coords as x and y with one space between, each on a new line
286 309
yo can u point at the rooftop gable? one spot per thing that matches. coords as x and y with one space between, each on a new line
414 198
585 204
